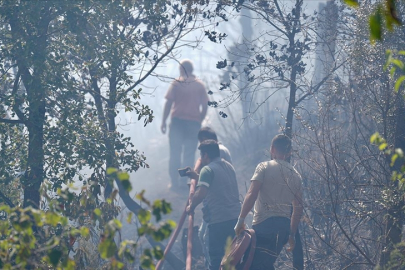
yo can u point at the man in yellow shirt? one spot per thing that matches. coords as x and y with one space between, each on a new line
274 186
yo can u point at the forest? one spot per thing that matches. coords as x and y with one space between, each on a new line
84 167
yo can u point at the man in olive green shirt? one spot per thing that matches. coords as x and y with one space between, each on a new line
218 190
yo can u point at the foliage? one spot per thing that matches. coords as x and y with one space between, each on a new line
385 16
37 238
396 155
46 239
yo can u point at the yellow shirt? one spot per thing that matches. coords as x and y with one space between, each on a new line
280 184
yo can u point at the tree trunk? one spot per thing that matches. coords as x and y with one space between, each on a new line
36 48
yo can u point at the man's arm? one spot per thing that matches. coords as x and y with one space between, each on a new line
198 197
166 112
198 166
295 219
248 204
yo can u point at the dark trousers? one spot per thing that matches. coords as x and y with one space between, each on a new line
298 253
218 234
271 235
183 143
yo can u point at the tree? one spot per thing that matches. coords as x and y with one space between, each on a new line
66 70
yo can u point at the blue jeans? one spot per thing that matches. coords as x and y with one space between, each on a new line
183 143
204 236
271 235
218 234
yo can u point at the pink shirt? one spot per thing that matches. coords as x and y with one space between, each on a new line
187 96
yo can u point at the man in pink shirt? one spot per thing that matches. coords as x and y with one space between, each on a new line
186 102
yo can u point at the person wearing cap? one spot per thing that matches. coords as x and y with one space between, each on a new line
275 185
186 103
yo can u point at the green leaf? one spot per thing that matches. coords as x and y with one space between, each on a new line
398 63
97 212
84 231
5 208
157 253
383 146
375 23
117 223
171 223
144 216
399 152
111 171
392 71
129 217
107 248
352 3
38 217
127 185
375 138
393 159
52 218
399 82
129 256
54 256
123 176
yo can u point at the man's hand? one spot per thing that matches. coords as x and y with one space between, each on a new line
189 210
291 243
192 174
240 226
163 127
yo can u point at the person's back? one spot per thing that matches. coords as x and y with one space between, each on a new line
186 102
280 183
187 94
274 187
222 201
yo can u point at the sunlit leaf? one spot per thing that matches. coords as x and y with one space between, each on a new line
352 3
392 71
399 152
129 217
399 82
84 231
97 212
398 63
144 216
111 170
393 159
117 223
107 248
375 138
123 176
382 146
